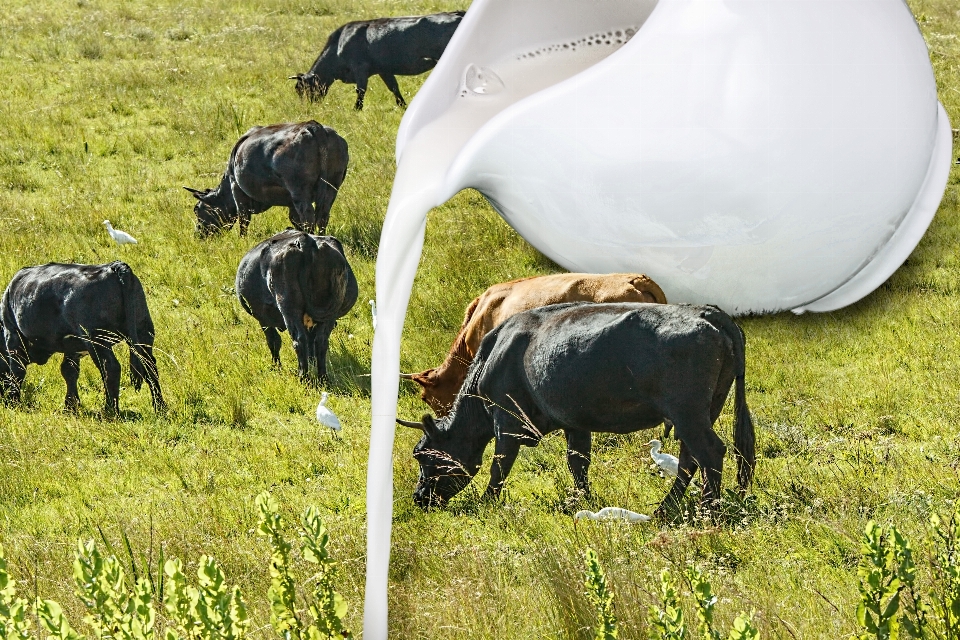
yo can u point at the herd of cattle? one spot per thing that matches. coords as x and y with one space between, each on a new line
580 353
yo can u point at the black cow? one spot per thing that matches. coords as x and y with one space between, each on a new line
301 283
387 47
77 310
585 367
290 165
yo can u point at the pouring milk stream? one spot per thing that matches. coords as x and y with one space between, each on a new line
761 156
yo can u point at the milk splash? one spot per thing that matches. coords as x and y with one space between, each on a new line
419 186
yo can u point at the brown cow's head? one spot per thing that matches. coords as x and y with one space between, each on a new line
213 211
649 290
438 388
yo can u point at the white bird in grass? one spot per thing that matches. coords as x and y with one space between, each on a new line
326 417
669 465
120 237
373 313
612 513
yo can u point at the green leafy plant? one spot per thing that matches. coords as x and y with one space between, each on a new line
946 573
743 629
704 600
113 611
14 618
51 617
601 597
326 606
668 621
886 561
205 610
208 611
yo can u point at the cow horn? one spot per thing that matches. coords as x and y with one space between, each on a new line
296 77
196 192
411 424
408 376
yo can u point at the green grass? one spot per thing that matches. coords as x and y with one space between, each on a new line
109 107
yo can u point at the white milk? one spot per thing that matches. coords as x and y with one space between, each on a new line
417 188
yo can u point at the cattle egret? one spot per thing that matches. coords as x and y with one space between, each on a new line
326 417
612 513
373 313
669 465
120 237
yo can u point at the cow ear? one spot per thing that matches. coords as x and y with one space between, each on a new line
429 426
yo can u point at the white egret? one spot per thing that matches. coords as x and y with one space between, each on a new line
612 513
326 417
120 237
373 313
668 465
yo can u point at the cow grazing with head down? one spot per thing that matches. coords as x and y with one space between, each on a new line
76 310
387 47
439 386
584 368
300 283
299 166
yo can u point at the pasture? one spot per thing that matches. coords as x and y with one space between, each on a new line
109 107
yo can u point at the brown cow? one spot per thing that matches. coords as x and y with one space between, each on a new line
501 301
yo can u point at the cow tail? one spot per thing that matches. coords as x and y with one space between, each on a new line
134 309
332 269
744 438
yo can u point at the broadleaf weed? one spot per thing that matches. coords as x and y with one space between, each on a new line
602 598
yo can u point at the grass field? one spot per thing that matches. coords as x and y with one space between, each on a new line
109 107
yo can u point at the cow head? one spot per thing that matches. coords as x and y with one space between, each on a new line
311 86
448 460
213 211
438 388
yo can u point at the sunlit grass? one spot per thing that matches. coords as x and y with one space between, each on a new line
109 107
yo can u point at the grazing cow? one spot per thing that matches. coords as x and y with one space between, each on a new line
76 310
582 367
501 301
290 165
387 47
301 283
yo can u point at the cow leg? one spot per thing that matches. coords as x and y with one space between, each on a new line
295 219
321 342
17 360
70 370
153 379
273 342
578 457
306 213
109 368
301 340
324 196
391 81
687 467
708 450
301 345
243 217
361 91
504 455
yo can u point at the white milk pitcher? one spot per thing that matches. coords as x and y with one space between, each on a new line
761 155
